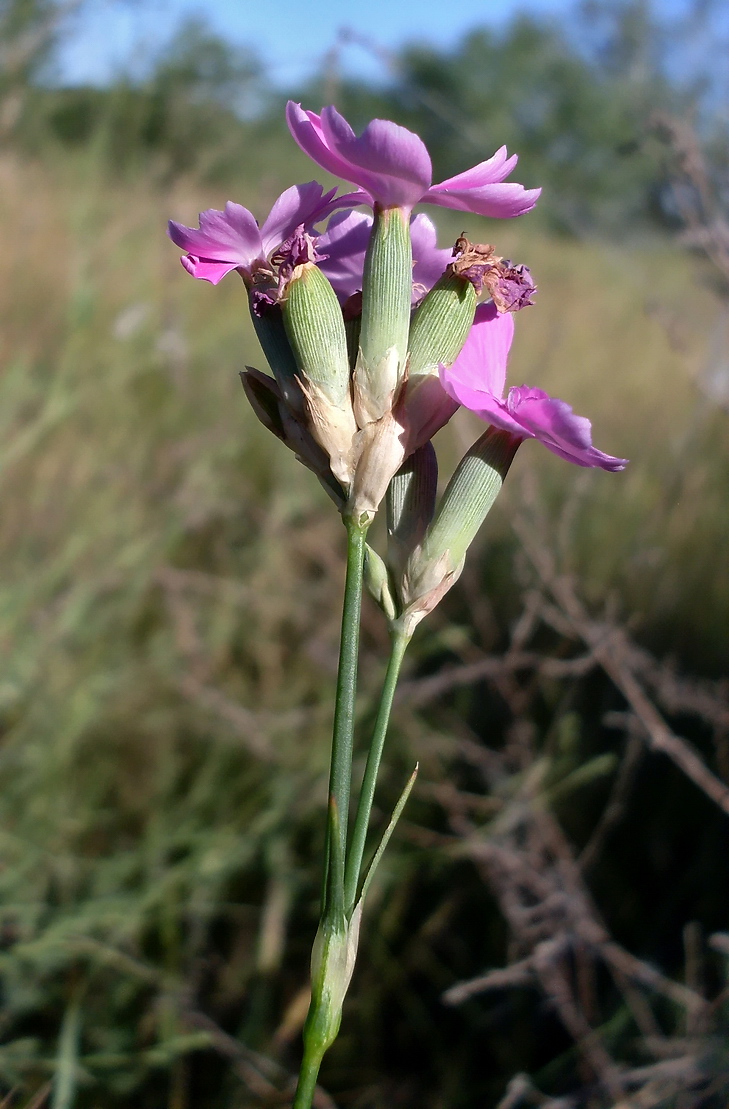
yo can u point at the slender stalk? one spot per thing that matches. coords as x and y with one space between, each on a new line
340 775
369 780
306 1087
322 1024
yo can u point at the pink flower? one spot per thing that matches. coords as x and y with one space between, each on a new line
344 243
477 380
393 168
232 240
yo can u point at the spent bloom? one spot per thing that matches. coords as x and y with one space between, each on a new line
477 380
392 166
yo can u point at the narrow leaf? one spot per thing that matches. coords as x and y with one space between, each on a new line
396 814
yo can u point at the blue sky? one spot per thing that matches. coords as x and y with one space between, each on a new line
291 36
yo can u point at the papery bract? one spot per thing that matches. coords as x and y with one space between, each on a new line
232 240
393 168
477 379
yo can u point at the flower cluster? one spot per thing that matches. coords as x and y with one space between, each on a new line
375 336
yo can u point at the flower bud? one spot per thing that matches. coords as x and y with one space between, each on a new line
410 505
436 564
332 964
377 582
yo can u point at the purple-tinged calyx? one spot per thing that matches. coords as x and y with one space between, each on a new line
393 168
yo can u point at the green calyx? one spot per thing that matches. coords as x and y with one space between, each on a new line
441 324
315 330
386 297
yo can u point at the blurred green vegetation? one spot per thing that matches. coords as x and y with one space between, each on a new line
171 579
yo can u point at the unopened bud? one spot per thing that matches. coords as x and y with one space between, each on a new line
437 563
410 505
264 397
377 581
332 964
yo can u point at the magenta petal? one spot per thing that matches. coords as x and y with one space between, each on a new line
496 201
295 206
229 236
553 422
306 129
489 172
303 204
425 410
206 269
480 369
429 262
389 161
343 246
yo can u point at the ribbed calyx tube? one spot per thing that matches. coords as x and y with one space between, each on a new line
411 503
386 297
441 324
468 497
315 329
275 344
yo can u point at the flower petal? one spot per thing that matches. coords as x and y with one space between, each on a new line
495 169
389 161
230 236
496 201
344 244
429 261
553 422
302 204
294 206
478 374
306 128
206 269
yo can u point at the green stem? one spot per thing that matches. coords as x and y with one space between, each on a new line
369 781
306 1087
340 780
340 775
